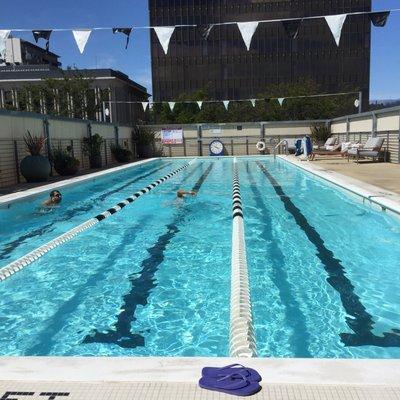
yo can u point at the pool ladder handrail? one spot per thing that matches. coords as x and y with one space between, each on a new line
279 144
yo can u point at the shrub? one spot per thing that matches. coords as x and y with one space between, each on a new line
121 154
320 133
64 162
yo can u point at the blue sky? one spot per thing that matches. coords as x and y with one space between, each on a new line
107 50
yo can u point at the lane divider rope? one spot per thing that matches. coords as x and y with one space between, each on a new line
29 258
242 338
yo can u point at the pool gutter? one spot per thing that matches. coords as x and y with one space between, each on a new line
373 196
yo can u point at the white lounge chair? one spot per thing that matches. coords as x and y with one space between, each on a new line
332 144
372 149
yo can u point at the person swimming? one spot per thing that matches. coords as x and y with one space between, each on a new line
182 193
54 200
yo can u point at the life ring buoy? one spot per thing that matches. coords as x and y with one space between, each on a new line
261 146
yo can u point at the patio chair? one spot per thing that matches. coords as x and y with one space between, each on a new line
371 149
332 144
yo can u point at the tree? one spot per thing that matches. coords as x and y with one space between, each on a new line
70 96
265 110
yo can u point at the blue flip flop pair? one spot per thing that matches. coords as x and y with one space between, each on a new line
233 379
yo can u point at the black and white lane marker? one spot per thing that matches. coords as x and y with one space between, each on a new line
242 339
29 258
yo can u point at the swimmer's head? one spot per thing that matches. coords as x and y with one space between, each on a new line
55 197
180 194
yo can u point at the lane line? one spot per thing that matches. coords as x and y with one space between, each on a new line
29 258
242 339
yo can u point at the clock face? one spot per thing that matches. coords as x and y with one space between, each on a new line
216 147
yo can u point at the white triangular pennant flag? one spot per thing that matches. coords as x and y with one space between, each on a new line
253 102
171 105
281 100
226 103
4 34
200 104
335 23
164 34
145 104
247 29
81 38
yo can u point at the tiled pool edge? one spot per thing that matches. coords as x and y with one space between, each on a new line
149 369
47 187
383 199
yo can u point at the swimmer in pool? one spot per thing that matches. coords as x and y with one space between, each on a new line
54 200
182 193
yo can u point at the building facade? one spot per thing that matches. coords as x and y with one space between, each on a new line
223 67
26 65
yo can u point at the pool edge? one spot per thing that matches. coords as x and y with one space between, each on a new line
375 195
188 370
17 196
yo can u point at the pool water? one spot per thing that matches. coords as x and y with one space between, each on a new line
154 279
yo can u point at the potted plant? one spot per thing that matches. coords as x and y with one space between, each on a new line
320 134
121 154
64 162
92 148
35 167
145 142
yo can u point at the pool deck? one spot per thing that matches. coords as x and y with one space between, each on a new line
176 378
384 175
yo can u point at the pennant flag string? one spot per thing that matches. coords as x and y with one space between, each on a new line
226 103
211 24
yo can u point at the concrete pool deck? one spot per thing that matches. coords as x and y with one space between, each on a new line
176 378
383 175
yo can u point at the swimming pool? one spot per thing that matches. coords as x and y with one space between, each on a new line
154 279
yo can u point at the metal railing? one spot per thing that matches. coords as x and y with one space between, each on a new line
280 144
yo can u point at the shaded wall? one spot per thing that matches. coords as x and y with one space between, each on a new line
61 133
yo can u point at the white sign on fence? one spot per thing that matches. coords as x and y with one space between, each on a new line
172 136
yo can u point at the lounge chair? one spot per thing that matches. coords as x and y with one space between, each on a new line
332 144
334 149
372 149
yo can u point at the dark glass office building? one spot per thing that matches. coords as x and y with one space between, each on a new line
224 67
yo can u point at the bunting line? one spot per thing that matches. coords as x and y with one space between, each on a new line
211 23
226 103
247 29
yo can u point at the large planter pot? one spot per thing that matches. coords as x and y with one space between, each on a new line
145 150
35 168
95 161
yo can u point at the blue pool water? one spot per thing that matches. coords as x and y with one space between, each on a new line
154 279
